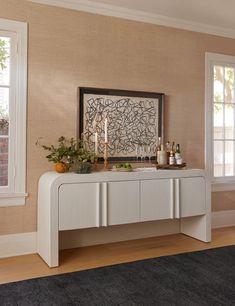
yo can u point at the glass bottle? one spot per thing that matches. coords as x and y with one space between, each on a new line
172 158
168 150
177 152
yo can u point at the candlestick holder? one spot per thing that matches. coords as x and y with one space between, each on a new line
106 163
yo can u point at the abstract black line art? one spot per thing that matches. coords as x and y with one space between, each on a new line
132 121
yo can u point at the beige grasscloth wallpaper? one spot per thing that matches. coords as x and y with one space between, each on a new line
68 49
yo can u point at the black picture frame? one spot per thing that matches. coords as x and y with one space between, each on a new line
87 110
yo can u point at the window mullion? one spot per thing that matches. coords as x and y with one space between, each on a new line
233 121
223 121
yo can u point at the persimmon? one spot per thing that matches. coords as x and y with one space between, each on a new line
61 167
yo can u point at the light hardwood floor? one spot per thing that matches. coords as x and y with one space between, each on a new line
31 266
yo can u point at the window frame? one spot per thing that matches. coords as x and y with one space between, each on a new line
15 193
211 60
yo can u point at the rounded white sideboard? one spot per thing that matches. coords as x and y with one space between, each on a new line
77 201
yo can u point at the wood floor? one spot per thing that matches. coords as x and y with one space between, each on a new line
31 266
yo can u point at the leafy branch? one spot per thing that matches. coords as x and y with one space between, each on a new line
68 151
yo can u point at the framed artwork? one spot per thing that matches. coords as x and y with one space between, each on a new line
124 118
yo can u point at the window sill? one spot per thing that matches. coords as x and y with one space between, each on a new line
12 199
223 186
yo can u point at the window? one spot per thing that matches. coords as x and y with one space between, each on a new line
13 80
220 117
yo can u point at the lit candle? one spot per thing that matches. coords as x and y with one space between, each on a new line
106 130
96 143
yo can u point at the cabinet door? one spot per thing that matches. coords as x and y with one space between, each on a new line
192 196
123 202
156 199
79 206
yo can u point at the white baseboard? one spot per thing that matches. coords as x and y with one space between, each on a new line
26 243
223 218
18 244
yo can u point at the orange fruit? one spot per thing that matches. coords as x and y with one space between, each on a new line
61 167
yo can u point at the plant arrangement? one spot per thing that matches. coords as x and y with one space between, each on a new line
84 155
85 159
67 153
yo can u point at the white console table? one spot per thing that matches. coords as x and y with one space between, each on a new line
75 201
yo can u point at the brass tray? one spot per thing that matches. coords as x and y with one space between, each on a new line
171 167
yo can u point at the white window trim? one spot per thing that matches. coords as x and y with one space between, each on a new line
218 184
18 194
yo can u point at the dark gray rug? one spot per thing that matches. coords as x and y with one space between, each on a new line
199 278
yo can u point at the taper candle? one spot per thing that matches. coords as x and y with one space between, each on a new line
96 143
106 130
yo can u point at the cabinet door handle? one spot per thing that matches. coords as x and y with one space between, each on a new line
177 198
98 204
172 198
105 204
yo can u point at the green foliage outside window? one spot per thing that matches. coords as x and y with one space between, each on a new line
4 55
224 93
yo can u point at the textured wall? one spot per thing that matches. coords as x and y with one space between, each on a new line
68 49
223 200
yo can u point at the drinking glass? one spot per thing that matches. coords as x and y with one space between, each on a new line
148 150
142 153
137 152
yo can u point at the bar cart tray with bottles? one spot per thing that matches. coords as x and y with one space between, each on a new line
171 167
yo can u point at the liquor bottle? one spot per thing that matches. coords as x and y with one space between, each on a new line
177 152
178 157
168 150
173 147
172 158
